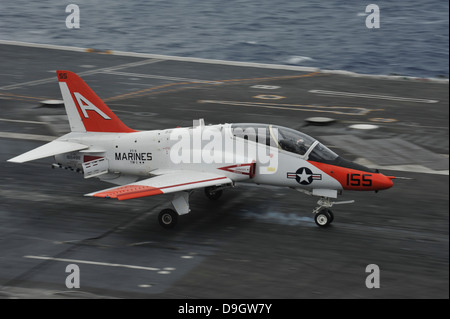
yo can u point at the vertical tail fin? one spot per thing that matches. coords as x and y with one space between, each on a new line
86 111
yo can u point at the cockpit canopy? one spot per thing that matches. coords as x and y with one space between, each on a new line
284 138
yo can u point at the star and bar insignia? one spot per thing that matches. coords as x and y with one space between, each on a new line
304 176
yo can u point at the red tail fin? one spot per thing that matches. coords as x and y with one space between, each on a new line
86 111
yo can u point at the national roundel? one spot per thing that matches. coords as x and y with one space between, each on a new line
304 176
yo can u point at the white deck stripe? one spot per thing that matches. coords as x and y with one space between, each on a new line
161 77
85 73
88 262
23 136
298 107
373 96
22 121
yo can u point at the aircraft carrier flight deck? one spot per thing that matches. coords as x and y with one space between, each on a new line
254 242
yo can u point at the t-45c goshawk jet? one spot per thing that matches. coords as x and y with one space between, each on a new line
180 160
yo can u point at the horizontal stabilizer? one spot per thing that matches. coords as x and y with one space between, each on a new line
50 149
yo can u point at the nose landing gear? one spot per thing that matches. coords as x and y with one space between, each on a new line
323 216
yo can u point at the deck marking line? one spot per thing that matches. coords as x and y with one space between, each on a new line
88 262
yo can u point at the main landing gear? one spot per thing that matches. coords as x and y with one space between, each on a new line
213 192
168 217
323 216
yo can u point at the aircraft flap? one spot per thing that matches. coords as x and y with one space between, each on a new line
174 181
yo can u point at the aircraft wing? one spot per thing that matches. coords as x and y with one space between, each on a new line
170 182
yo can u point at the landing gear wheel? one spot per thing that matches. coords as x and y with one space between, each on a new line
323 218
167 218
212 193
331 215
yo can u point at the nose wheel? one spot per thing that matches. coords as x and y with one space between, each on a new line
324 217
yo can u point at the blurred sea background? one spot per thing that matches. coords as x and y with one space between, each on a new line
413 38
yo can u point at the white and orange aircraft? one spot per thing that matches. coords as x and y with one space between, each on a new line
180 160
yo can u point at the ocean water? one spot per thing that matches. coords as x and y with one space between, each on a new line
413 38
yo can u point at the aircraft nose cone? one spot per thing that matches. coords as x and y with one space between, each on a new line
384 182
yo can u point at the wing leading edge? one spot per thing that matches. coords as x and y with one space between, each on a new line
172 182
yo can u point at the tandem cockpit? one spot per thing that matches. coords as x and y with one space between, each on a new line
292 141
285 139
